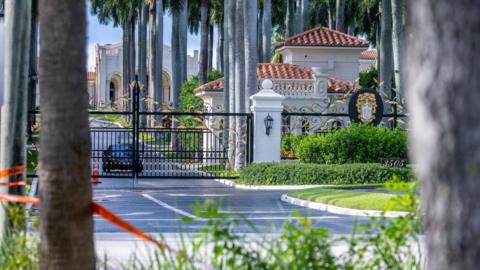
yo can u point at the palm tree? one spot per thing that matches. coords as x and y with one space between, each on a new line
203 41
250 26
340 18
260 33
176 10
290 18
16 20
232 78
226 73
239 83
32 83
183 36
443 91
142 58
152 57
158 74
386 51
267 30
66 218
305 18
398 13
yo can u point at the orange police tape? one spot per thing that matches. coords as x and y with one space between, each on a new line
101 211
12 171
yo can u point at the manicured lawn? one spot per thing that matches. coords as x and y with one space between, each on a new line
349 198
114 118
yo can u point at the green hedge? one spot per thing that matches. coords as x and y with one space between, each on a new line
321 174
288 144
354 144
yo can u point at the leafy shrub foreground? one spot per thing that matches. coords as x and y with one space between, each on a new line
355 144
320 174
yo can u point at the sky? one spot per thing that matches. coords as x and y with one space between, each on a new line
104 34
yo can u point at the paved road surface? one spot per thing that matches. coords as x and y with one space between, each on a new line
158 205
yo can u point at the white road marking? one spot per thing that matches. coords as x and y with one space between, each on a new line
196 195
204 219
169 207
136 214
252 212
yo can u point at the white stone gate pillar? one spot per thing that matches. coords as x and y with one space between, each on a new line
266 148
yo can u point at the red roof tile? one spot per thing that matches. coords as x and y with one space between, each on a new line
368 55
281 72
323 37
91 76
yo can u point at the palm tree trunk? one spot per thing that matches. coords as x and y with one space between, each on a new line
210 49
239 83
15 87
33 63
260 35
443 86
298 17
203 41
267 30
125 63
231 84
142 60
131 56
250 26
151 58
398 38
158 80
220 42
290 18
340 20
183 41
305 22
386 52
226 73
176 59
66 218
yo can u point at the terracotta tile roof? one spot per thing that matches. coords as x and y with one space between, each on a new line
281 72
91 76
323 37
368 55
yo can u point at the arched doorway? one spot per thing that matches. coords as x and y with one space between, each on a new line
114 91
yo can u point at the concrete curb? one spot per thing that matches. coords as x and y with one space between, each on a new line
341 210
265 187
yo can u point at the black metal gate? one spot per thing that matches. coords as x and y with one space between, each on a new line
167 144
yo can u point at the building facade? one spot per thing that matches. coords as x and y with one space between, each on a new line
105 83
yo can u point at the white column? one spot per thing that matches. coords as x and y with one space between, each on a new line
320 86
266 148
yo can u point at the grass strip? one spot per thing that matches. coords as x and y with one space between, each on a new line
350 198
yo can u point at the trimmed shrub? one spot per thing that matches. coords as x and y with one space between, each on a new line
320 174
356 144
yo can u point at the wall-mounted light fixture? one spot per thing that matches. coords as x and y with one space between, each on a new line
268 124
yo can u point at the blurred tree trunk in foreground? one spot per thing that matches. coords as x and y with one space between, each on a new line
444 92
66 222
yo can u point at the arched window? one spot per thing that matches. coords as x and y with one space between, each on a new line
112 92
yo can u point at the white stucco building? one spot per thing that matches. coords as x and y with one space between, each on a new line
105 85
320 67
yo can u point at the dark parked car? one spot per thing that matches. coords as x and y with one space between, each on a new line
120 157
